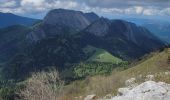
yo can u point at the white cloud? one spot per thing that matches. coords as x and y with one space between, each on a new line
134 10
39 6
34 7
165 11
9 10
64 4
32 2
151 11
139 9
8 4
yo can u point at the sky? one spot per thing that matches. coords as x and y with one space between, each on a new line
105 8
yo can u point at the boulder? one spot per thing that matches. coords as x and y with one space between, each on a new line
149 78
130 82
90 97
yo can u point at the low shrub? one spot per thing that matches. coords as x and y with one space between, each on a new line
42 86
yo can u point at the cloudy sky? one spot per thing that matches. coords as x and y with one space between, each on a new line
106 8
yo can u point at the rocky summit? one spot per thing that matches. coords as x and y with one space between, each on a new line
60 21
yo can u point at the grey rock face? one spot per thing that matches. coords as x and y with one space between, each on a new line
125 31
91 16
37 34
74 19
60 21
100 27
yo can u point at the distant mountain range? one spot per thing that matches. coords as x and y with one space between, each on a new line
8 19
160 28
62 37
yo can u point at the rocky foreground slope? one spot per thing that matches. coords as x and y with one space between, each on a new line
148 90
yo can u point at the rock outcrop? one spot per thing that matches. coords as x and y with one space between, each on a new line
90 97
148 90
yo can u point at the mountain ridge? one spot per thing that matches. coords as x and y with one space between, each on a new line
120 34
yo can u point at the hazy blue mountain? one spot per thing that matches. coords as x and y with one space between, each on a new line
8 19
160 28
